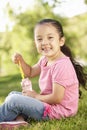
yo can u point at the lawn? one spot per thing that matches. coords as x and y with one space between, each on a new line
79 122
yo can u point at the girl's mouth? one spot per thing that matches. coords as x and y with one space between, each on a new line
46 50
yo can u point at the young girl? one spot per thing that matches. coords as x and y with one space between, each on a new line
60 77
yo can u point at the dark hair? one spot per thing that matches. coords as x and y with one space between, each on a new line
81 75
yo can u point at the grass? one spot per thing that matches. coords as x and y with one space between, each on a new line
79 122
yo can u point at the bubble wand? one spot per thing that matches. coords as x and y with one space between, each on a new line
21 70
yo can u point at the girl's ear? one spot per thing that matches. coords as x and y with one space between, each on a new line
62 41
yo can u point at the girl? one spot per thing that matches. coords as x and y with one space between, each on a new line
60 77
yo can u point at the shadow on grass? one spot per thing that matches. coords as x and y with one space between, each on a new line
8 84
9 78
13 83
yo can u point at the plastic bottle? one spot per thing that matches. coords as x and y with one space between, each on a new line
27 84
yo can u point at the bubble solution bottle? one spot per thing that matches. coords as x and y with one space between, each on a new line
26 84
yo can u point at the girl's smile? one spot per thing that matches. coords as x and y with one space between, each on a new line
48 41
46 50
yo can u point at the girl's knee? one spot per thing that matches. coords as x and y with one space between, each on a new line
13 101
13 92
11 98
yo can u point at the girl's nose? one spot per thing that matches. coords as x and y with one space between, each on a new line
45 42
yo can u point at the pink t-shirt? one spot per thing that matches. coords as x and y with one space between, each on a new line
63 73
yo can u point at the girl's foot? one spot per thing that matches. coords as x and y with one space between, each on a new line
19 118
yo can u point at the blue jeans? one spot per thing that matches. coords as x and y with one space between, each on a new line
16 104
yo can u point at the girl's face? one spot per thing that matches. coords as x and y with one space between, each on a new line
48 41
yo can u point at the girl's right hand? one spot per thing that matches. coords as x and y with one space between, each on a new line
16 58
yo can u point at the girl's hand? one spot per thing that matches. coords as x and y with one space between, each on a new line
29 93
16 58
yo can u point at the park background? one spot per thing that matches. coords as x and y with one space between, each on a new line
17 36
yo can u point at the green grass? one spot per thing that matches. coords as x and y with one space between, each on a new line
79 122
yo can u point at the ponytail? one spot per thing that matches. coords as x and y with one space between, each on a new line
81 75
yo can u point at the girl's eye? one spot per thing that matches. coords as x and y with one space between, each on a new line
39 39
50 37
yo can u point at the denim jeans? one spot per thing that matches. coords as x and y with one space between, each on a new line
17 104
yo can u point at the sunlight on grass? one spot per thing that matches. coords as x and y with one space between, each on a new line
1 100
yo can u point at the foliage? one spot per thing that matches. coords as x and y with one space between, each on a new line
86 1
76 32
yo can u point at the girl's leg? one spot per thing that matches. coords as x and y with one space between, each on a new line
17 104
20 117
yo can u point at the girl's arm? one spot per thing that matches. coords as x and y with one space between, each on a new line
30 71
54 98
27 69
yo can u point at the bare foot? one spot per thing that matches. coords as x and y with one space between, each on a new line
19 118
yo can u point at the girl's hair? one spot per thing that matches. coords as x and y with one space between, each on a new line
81 75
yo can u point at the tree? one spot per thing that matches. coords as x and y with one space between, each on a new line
86 1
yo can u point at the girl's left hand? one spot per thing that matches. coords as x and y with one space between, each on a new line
29 93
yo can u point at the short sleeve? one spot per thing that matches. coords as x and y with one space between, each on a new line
64 74
42 61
